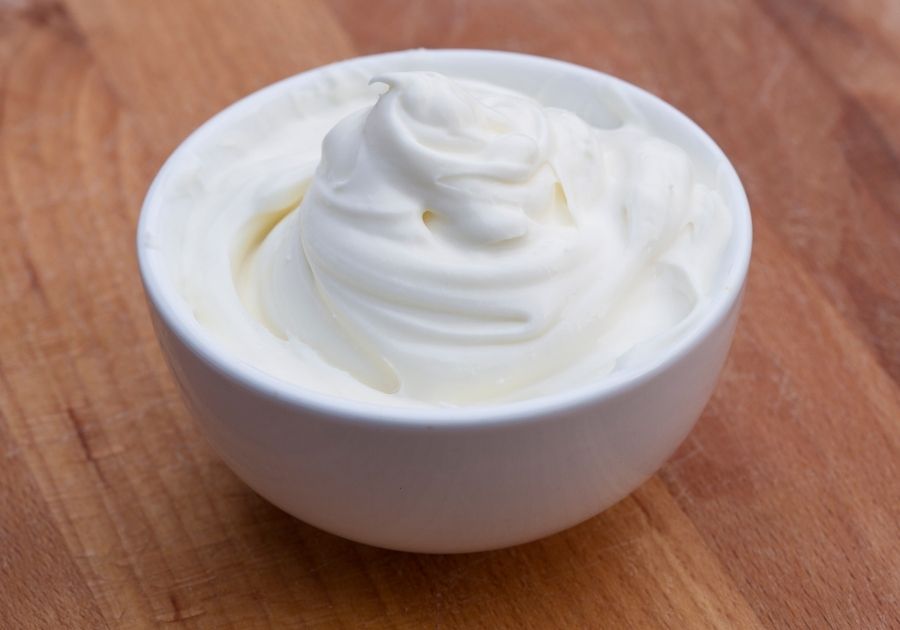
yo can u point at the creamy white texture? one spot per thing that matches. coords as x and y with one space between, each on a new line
454 243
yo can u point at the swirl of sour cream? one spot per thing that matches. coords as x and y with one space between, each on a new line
458 243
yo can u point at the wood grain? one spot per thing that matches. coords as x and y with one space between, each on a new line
780 510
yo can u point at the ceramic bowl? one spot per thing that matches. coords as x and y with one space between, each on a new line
450 479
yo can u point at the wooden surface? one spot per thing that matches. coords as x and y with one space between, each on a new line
781 509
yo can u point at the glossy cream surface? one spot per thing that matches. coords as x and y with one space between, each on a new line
435 240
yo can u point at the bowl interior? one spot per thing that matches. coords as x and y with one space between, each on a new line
600 99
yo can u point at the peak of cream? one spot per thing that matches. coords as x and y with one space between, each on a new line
453 243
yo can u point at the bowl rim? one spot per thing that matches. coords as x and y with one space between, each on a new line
161 290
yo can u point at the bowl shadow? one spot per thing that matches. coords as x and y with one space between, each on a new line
571 578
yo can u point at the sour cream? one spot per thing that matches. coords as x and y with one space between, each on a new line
437 240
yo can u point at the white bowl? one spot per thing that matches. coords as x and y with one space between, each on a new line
451 479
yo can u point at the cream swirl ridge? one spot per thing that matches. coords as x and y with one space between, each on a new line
459 243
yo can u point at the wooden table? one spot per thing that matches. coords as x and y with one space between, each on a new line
780 510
